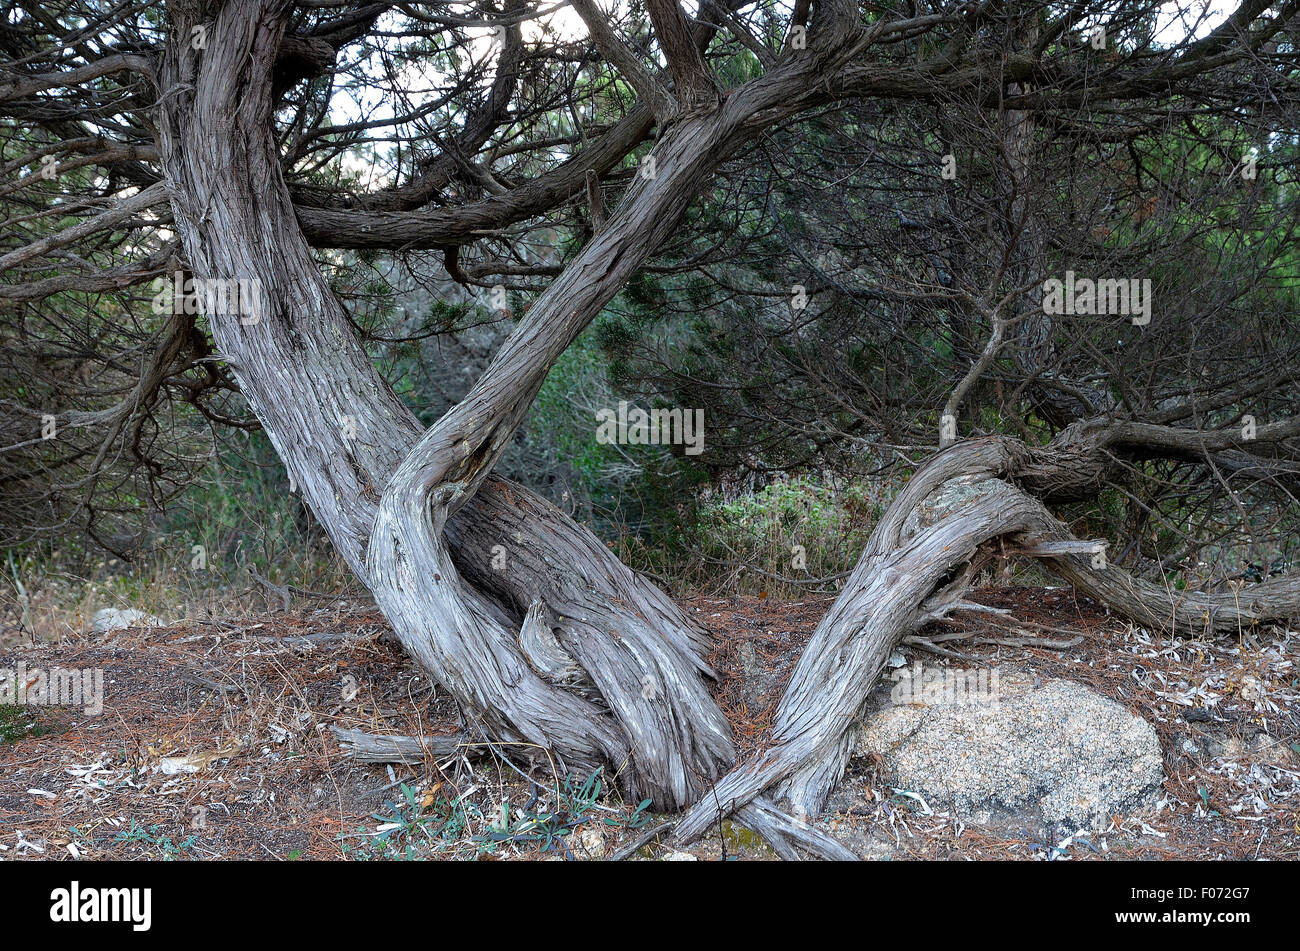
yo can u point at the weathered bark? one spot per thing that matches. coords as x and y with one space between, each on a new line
650 683
342 434
915 569
627 638
1189 613
634 696
928 534
691 79
1087 453
369 748
788 838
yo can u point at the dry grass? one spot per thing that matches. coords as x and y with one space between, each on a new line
49 600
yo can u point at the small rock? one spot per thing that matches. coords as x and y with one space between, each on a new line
678 857
593 841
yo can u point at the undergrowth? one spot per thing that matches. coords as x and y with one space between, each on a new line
417 824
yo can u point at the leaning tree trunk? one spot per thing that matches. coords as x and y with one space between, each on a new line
342 434
915 569
515 683
912 571
530 683
582 674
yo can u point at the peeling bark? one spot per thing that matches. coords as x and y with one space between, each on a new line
916 568
926 536
343 434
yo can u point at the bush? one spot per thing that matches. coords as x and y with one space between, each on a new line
779 539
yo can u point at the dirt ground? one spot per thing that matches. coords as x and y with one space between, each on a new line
215 741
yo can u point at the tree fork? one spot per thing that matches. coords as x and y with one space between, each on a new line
342 434
651 687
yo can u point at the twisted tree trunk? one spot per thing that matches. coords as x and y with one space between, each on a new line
912 571
566 650
640 701
916 568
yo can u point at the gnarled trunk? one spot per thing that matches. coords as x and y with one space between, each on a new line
912 571
342 435
915 569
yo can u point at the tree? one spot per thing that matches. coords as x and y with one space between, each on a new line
211 147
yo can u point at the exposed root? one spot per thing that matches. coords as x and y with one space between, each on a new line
788 837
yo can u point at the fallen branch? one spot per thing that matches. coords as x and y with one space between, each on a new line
410 750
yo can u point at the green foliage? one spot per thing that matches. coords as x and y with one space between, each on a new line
152 839
15 722
801 529
413 827
408 828
786 509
